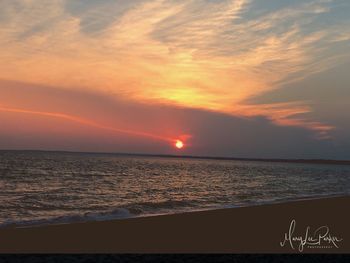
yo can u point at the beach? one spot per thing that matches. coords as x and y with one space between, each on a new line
256 229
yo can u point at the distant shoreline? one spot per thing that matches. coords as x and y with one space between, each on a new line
274 160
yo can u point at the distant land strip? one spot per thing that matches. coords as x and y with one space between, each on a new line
276 160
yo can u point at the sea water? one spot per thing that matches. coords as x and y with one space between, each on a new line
57 187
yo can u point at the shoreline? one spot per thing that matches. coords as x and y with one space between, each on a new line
103 216
248 229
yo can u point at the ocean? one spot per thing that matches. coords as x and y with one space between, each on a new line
39 188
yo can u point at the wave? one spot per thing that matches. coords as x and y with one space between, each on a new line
143 209
122 212
168 204
119 213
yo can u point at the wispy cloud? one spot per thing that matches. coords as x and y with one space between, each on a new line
86 122
198 53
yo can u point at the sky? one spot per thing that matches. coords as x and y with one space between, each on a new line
235 78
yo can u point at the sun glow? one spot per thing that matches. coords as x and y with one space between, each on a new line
179 144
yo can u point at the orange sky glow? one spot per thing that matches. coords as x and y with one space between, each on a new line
213 56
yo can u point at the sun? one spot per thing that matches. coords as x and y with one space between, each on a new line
179 144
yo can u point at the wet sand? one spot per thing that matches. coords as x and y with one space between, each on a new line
257 229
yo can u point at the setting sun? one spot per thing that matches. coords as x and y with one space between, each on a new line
179 144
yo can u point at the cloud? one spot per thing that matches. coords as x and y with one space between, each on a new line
96 16
209 55
98 122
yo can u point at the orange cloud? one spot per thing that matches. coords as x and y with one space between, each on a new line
196 54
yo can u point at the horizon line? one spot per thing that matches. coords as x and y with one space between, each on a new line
251 159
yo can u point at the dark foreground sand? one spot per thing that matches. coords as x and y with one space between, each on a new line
250 229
